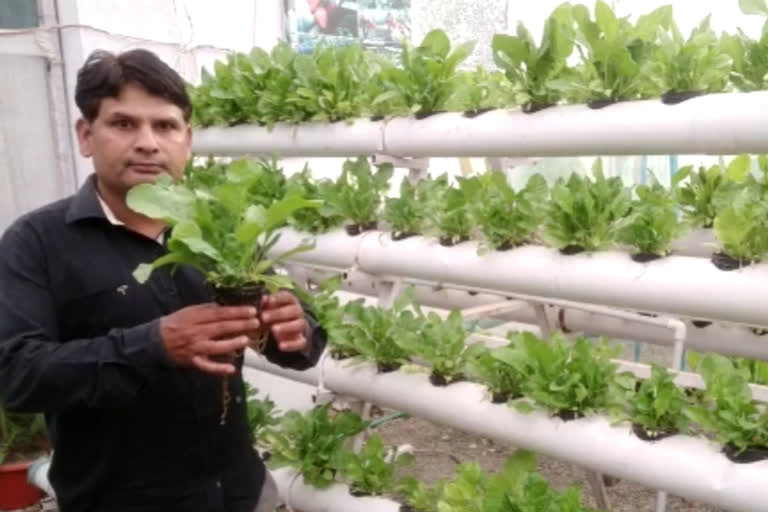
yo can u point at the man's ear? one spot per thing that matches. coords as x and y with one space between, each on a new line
83 129
189 142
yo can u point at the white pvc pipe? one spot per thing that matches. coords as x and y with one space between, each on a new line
677 285
733 340
362 137
299 496
721 124
684 466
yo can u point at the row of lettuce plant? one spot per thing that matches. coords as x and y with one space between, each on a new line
578 213
570 379
595 58
318 444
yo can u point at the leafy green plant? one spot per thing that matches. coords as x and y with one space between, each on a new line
756 370
407 213
427 79
418 496
570 379
325 305
697 197
313 220
331 83
728 411
274 104
358 191
372 332
368 472
450 209
742 227
506 217
441 343
657 406
614 55
480 90
653 224
750 56
313 443
22 436
531 69
466 493
262 414
696 64
586 214
219 231
503 380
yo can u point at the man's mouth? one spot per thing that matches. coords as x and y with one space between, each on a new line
146 167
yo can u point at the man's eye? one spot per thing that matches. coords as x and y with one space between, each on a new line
121 123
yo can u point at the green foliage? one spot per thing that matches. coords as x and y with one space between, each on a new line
750 60
441 343
698 198
489 368
614 54
585 213
358 192
21 436
653 224
313 443
659 404
727 411
567 378
450 208
220 230
419 496
508 218
313 220
533 70
407 214
262 414
694 64
480 90
742 226
369 472
427 79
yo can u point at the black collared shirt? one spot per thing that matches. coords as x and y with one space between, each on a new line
80 341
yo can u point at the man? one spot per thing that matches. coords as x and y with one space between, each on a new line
129 376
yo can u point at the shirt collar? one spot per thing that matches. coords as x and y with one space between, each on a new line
88 204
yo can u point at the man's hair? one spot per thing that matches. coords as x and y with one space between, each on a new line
104 75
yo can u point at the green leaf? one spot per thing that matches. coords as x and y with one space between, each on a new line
753 7
739 168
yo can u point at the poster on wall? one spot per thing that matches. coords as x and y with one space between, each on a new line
376 24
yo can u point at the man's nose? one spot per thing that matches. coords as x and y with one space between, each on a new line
146 141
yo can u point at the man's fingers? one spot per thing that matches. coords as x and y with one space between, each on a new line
229 328
293 345
288 330
222 347
282 314
208 366
207 313
276 300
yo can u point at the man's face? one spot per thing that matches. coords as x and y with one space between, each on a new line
135 138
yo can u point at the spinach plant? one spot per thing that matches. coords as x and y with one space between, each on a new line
741 228
489 368
653 224
658 404
331 83
313 220
466 493
407 213
480 90
585 214
441 343
373 332
750 56
696 64
701 197
262 414
219 231
22 436
728 411
418 496
614 54
531 69
571 380
358 192
368 472
450 209
427 79
506 217
313 443
275 103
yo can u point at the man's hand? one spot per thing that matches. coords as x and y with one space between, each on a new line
283 315
197 335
